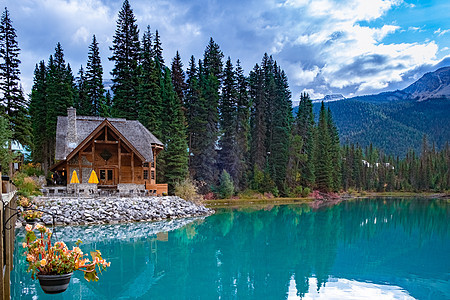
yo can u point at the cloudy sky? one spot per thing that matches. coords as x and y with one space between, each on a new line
352 47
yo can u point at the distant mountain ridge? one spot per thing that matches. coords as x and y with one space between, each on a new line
329 98
431 85
396 121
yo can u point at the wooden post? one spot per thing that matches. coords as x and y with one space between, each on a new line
93 156
132 167
119 151
79 168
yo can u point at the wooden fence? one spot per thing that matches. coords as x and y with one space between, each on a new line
8 204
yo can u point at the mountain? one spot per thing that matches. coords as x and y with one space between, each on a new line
329 98
396 121
431 85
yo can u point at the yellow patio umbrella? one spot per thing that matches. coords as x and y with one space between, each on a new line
74 177
93 178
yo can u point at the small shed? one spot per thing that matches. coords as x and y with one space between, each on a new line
122 152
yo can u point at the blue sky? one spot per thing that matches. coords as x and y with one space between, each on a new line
353 47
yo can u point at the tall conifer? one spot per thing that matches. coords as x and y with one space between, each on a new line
242 127
82 102
178 78
335 154
151 107
94 79
38 113
228 157
174 134
126 55
13 104
157 50
323 158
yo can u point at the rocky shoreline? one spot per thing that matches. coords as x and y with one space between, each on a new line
115 209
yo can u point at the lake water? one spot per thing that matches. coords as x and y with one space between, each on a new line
359 249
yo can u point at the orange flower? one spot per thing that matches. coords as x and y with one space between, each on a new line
24 245
28 227
77 250
43 262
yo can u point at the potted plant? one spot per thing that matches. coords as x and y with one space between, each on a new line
54 264
30 216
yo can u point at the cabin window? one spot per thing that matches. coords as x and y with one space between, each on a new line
153 164
110 174
102 174
145 174
153 175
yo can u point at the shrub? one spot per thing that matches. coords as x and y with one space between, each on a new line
306 191
187 190
26 186
226 187
32 169
296 192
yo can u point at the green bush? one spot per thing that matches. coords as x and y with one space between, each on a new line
187 190
226 187
32 170
306 191
296 192
26 186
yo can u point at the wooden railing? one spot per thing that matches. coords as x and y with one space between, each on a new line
8 207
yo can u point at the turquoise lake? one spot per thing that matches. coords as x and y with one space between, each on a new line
358 249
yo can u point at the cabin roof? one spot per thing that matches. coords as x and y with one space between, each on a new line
135 133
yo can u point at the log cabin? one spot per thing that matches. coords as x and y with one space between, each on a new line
121 152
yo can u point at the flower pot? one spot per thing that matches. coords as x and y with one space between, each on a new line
30 221
54 284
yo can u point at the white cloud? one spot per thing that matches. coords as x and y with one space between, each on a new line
440 32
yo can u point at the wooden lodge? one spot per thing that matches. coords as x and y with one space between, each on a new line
121 152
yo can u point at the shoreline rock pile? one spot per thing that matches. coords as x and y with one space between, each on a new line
115 209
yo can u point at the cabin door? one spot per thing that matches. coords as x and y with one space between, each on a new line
106 177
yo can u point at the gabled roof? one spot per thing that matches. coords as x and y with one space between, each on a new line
133 131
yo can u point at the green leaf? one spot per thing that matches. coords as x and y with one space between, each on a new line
91 276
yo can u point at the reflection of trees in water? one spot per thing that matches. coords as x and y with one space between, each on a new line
238 254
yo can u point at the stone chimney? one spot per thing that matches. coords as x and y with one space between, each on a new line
72 140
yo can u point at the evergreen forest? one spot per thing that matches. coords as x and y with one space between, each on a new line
219 126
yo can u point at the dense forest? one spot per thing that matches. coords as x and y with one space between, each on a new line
219 126
395 126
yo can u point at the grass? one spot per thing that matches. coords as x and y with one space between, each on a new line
254 199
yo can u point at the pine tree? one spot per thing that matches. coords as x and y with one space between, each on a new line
178 78
157 50
82 103
13 105
258 151
228 158
151 108
323 158
126 55
175 157
281 130
205 110
105 107
196 117
226 186
94 79
38 113
335 154
60 94
212 59
303 126
242 127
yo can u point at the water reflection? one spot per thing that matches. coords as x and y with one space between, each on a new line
399 247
